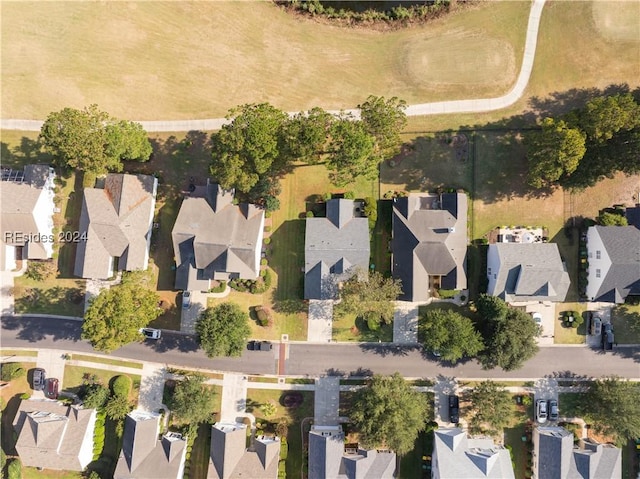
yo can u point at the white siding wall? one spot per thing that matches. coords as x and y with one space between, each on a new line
43 217
601 265
86 449
9 258
259 245
150 230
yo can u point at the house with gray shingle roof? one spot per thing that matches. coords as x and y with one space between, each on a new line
52 435
335 248
215 239
143 456
429 243
26 215
456 456
519 272
115 226
230 458
556 457
330 457
614 263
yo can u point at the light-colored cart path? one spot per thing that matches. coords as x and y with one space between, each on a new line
434 108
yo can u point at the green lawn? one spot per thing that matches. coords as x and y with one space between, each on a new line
33 473
294 417
568 403
569 335
49 297
381 237
73 378
99 359
626 323
411 463
352 328
17 352
200 453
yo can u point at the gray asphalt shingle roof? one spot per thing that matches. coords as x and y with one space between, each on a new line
559 459
529 272
335 248
212 235
143 456
429 239
117 221
622 244
455 456
51 435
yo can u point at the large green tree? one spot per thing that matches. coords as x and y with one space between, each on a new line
451 334
223 330
116 315
352 152
91 141
611 405
117 407
249 147
372 299
192 401
553 152
604 116
490 408
384 119
307 134
509 335
388 412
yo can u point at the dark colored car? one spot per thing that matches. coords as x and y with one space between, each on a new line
607 340
554 412
454 409
51 388
259 346
38 379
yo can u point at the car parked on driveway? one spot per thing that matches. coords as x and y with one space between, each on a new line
151 333
51 388
596 326
454 409
186 299
38 379
554 412
541 411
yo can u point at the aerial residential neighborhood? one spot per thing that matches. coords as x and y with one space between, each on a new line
320 240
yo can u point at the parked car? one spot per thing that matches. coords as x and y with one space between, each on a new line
607 340
186 299
259 346
38 379
454 409
151 333
554 412
51 388
537 317
541 411
596 326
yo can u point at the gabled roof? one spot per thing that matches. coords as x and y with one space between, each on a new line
622 244
529 272
455 456
328 458
143 456
230 458
51 435
558 458
429 239
211 235
116 221
335 247
632 213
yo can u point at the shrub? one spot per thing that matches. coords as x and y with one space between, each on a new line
264 262
267 229
121 385
292 399
263 315
222 285
25 396
349 195
267 241
371 211
282 429
11 371
94 395
41 270
577 321
14 471
267 214
269 409
268 279
447 293
309 214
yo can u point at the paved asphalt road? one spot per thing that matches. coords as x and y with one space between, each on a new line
317 359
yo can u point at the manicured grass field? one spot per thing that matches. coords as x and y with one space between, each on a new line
564 335
50 297
293 416
73 376
17 352
33 473
101 360
352 328
151 58
621 317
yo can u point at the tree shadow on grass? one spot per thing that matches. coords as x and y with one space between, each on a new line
287 260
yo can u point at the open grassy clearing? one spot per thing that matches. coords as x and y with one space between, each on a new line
73 377
33 473
619 21
292 416
101 360
475 52
621 317
50 297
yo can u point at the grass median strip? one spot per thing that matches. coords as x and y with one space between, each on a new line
101 360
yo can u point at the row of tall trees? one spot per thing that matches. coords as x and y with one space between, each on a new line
261 143
90 140
501 336
580 148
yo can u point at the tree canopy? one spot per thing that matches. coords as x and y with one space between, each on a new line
607 218
490 408
454 336
352 152
371 299
553 152
192 401
612 405
116 315
384 119
223 330
307 135
389 412
509 335
90 140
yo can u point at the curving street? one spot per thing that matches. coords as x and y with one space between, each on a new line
433 108
318 359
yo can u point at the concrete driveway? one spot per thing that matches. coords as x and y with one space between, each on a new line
189 315
320 321
548 312
405 323
545 389
443 387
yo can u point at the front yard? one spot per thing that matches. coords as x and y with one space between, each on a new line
626 323
567 334
352 328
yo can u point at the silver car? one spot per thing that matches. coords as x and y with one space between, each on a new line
541 411
38 379
554 412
